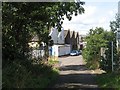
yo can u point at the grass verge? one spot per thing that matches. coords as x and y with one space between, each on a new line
109 80
27 75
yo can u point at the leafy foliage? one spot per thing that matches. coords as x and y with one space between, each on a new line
22 21
95 40
109 80
114 26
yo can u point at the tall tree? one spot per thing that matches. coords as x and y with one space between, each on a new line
95 40
21 19
114 25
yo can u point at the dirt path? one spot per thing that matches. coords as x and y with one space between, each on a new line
74 74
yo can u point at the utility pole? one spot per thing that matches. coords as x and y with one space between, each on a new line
112 57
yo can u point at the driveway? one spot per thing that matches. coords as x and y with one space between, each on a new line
74 74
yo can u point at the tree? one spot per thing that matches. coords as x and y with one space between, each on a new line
95 40
99 38
22 19
114 25
106 62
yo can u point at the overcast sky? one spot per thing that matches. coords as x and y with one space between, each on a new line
98 13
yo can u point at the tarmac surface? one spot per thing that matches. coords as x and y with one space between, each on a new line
74 74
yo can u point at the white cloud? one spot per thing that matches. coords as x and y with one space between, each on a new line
111 12
94 16
102 20
83 18
81 23
89 10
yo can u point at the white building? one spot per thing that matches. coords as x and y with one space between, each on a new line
57 37
59 48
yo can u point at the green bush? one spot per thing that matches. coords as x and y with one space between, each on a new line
15 75
97 38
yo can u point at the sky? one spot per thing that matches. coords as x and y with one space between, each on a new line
98 13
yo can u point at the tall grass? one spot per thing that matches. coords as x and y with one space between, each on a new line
109 80
27 75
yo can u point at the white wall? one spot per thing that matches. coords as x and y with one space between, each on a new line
61 37
67 49
57 37
53 34
59 50
54 50
63 50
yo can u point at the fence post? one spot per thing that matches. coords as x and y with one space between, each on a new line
112 57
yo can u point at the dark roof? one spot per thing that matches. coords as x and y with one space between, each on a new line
76 33
65 33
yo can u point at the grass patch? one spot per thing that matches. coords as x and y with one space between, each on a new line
109 80
53 62
27 75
